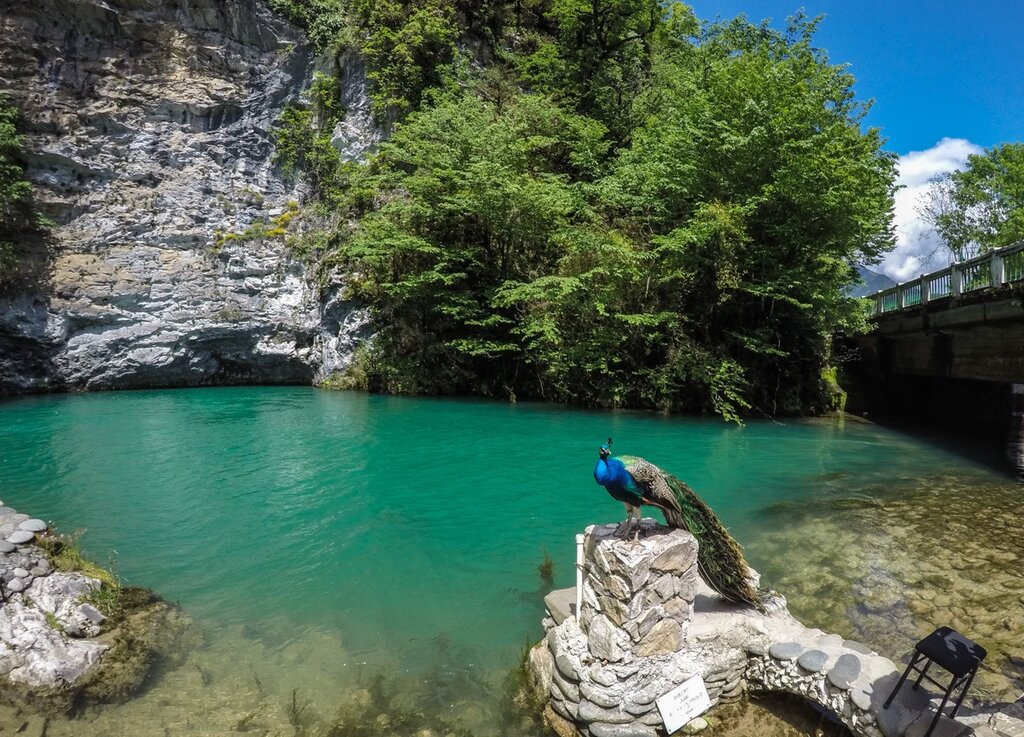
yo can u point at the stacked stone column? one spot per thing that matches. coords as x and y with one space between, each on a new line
605 670
637 596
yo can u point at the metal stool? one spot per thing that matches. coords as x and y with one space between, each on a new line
951 651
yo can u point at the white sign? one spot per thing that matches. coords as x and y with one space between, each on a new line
684 703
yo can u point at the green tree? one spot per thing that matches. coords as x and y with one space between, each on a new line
744 196
463 201
599 56
302 138
625 208
406 44
981 207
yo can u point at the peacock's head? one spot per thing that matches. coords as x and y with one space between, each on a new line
606 449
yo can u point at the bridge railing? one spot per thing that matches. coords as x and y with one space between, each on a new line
993 269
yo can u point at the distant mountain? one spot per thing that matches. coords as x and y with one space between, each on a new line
871 282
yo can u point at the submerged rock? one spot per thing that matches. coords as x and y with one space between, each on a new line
58 649
152 633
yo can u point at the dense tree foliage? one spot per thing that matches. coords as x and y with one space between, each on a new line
623 208
981 207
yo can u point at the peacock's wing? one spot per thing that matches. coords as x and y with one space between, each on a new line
654 488
719 558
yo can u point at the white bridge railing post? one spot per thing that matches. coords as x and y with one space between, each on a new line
924 289
956 280
996 270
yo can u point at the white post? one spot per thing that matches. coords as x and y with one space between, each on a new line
579 575
955 281
899 298
924 289
996 270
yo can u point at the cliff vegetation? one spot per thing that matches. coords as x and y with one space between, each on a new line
20 221
606 202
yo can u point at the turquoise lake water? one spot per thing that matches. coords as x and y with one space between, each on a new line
344 534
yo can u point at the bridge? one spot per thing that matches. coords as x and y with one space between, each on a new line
947 349
963 322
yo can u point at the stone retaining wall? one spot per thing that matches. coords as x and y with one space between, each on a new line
647 623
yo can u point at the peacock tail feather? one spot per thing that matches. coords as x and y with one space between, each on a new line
719 557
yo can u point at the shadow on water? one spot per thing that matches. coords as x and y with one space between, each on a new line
999 448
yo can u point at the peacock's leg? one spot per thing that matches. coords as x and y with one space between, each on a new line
631 512
639 526
623 530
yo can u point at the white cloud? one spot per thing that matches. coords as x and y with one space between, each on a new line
916 242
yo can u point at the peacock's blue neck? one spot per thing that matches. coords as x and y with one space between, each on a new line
612 472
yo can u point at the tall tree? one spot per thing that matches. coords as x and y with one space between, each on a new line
747 191
981 207
600 56
461 200
600 201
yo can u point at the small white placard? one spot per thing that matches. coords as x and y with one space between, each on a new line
684 703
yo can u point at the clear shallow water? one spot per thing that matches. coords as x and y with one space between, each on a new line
320 538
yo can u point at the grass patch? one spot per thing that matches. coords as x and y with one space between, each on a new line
108 599
54 623
65 555
354 377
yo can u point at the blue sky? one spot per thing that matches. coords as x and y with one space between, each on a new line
936 70
947 79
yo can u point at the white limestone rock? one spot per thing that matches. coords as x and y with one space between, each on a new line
37 656
606 641
144 172
61 594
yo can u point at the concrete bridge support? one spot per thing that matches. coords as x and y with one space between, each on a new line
952 366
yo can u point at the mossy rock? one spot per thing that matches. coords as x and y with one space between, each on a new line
151 634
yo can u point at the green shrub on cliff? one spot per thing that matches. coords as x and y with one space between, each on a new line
14 190
19 219
302 137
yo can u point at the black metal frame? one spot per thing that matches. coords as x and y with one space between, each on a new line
963 680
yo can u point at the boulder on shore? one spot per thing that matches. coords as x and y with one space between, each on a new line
66 636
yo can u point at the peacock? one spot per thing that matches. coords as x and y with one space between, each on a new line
636 482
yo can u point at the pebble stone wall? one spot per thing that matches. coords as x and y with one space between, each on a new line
647 623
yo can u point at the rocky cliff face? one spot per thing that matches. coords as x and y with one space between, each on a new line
149 135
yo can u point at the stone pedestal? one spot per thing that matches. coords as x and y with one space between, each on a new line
637 595
604 670
647 623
